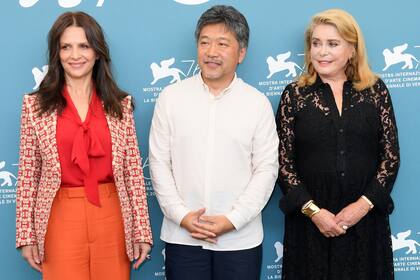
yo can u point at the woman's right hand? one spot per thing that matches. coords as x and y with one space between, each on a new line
30 254
324 220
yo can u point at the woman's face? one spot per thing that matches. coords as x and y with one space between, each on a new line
330 52
76 55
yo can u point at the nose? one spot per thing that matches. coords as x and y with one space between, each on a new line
75 53
324 50
211 50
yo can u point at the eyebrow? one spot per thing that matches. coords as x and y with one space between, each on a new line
78 43
218 38
330 40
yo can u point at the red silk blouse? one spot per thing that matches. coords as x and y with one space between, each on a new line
84 148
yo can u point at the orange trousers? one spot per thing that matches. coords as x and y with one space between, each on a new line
85 242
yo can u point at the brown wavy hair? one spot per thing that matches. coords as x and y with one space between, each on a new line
357 69
49 97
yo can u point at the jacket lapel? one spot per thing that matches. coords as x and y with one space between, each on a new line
117 141
46 127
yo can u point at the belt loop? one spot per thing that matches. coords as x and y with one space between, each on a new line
58 194
112 189
108 189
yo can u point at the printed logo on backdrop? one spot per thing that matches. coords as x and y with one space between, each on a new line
273 268
406 251
401 66
161 272
166 72
146 176
8 183
191 2
62 3
39 75
281 71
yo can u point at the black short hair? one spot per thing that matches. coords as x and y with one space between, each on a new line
230 17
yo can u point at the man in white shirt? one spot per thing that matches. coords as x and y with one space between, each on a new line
213 159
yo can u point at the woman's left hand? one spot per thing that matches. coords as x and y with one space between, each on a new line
352 214
141 252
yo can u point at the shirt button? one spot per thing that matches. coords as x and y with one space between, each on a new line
341 130
342 174
342 152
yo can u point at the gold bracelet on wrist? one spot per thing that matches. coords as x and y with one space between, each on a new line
368 201
309 209
306 204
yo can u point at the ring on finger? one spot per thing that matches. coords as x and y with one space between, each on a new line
345 227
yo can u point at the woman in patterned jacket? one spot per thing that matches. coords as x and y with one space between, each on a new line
81 209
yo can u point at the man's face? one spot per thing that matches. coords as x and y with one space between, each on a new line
218 54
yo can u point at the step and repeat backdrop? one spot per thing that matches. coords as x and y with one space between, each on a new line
152 45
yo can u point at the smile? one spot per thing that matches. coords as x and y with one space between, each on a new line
76 64
213 63
324 62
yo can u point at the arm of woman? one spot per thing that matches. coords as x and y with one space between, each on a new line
27 186
380 187
378 191
133 176
294 190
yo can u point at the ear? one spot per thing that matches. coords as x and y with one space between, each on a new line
353 51
242 53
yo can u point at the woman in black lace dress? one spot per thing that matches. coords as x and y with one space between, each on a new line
339 158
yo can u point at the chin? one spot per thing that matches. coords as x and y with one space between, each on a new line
325 72
210 76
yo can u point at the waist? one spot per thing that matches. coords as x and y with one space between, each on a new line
74 192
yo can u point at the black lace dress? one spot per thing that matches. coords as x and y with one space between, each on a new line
333 160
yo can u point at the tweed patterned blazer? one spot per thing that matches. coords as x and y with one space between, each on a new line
39 176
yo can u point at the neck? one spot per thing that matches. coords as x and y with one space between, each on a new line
334 80
79 87
216 86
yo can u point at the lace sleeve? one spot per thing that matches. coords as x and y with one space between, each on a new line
295 193
381 185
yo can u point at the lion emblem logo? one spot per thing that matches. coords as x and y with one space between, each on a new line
164 70
397 56
39 75
401 242
279 251
6 176
280 64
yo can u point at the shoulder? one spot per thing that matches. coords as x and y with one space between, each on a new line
253 94
180 86
127 105
29 99
29 103
178 92
377 90
380 87
292 90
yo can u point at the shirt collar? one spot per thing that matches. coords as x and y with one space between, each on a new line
227 90
319 84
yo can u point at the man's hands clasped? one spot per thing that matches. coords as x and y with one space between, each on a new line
206 227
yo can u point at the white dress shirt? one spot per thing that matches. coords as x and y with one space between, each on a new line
217 152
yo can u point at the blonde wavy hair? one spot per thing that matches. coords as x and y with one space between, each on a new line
357 69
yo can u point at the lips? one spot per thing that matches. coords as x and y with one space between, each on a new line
212 63
324 62
76 64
